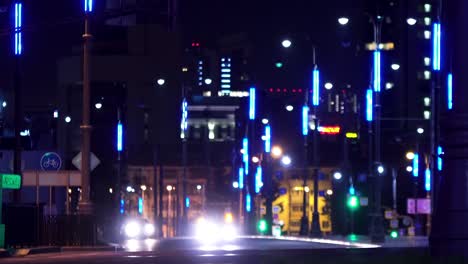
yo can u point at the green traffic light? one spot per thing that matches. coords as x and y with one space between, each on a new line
279 65
353 237
394 234
262 226
353 202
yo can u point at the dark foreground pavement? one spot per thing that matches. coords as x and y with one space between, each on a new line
247 250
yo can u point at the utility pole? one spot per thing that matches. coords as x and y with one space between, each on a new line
18 51
315 225
85 204
376 230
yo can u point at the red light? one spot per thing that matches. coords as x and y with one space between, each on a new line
329 130
278 90
294 90
285 90
300 90
271 90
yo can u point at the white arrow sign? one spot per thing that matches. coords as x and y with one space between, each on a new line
93 160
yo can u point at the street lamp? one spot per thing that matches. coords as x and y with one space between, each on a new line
420 130
337 175
380 169
411 21
328 86
276 152
265 121
286 160
98 105
286 43
289 108
161 82
410 155
395 66
343 21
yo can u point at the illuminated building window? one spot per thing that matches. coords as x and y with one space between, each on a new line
427 21
225 73
427 8
427 61
427 75
427 115
427 34
427 101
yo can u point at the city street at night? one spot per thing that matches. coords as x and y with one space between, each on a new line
234 131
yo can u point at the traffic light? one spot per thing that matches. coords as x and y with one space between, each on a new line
262 226
394 234
353 202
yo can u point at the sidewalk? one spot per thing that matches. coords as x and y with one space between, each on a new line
400 242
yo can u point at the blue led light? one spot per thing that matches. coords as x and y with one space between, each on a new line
140 205
369 105
416 165
352 191
245 147
440 152
316 87
450 91
225 70
248 203
18 29
119 137
377 71
436 46
258 179
305 120
267 139
88 6
241 178
427 181
252 102
187 202
226 86
122 206
183 122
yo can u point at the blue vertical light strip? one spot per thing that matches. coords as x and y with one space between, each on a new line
305 120
436 46
122 206
427 180
252 102
450 91
245 158
369 105
18 30
241 178
248 203
267 139
183 122
258 179
440 152
140 205
377 71
315 87
88 6
416 165
119 137
187 202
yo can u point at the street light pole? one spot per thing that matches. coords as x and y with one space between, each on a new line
376 229
85 204
315 225
18 49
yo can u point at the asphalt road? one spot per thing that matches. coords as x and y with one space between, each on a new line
243 250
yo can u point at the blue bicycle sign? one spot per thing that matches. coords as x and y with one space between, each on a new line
51 161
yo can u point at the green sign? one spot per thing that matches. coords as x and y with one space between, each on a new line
10 181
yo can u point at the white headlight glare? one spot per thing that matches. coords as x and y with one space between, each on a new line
229 232
132 229
149 229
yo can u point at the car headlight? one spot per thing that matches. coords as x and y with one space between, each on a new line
149 229
230 232
132 229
